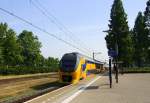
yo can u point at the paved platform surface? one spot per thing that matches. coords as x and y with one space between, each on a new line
132 88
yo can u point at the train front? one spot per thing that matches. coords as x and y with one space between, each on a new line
68 68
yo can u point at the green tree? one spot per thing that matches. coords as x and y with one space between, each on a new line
147 23
30 46
11 50
139 40
1 55
52 62
3 32
41 62
119 33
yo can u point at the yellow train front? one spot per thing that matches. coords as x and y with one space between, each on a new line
74 67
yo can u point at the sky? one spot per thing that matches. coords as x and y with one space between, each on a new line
84 20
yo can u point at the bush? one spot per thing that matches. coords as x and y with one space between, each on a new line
137 70
19 70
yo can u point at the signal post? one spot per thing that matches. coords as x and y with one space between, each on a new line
112 55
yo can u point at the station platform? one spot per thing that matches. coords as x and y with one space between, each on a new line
132 88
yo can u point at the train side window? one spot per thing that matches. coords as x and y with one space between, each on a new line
83 67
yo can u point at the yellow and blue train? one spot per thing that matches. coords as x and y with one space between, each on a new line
75 66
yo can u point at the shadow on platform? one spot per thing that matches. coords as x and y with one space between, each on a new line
92 87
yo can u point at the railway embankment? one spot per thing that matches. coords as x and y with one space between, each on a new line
23 87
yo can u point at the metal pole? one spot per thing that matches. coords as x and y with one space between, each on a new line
110 73
121 69
93 55
116 74
116 71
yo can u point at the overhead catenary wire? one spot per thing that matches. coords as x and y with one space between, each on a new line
64 28
41 29
60 25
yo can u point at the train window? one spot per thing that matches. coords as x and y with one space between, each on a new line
83 67
68 63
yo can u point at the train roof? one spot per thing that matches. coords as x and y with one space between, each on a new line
89 59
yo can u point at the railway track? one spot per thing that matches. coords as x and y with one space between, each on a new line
32 86
35 90
17 79
55 87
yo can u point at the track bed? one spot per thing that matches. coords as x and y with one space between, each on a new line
19 89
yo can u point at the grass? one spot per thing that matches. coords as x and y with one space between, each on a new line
16 89
137 70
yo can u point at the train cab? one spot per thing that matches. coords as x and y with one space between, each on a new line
74 67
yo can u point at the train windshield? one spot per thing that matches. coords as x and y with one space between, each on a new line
68 63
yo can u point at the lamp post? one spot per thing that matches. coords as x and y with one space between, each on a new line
95 53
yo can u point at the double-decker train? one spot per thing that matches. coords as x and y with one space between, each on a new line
75 66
